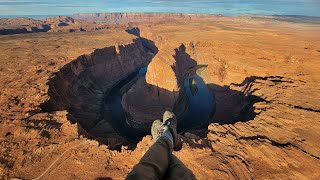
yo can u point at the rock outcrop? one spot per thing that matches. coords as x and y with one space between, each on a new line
69 24
61 21
22 25
161 89
158 91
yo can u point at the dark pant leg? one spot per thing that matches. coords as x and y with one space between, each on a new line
154 164
177 170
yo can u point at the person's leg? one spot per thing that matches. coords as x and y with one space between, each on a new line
177 170
154 163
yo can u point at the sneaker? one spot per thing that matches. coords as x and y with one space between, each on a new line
170 120
156 130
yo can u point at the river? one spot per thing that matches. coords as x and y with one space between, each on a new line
200 100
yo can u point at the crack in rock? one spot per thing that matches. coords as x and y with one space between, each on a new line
276 143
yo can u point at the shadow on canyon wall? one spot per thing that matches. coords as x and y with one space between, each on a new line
230 106
134 31
81 87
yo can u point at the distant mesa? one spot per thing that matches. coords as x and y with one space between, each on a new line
121 18
57 24
91 22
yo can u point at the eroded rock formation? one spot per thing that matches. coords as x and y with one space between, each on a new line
22 25
56 24
82 85
161 89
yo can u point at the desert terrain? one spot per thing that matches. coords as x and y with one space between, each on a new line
62 90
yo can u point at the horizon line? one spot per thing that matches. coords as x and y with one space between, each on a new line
122 12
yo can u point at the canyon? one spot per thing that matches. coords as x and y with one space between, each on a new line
80 105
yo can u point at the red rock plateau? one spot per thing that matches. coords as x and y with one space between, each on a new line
56 121
57 24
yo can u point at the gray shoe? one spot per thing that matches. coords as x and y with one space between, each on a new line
170 120
156 129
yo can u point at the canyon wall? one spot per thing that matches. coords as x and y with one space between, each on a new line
82 85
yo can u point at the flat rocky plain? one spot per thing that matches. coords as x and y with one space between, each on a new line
263 72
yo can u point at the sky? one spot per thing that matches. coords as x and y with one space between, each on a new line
226 7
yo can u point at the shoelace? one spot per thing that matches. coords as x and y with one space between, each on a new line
167 123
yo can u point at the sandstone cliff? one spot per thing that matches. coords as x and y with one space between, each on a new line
82 85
